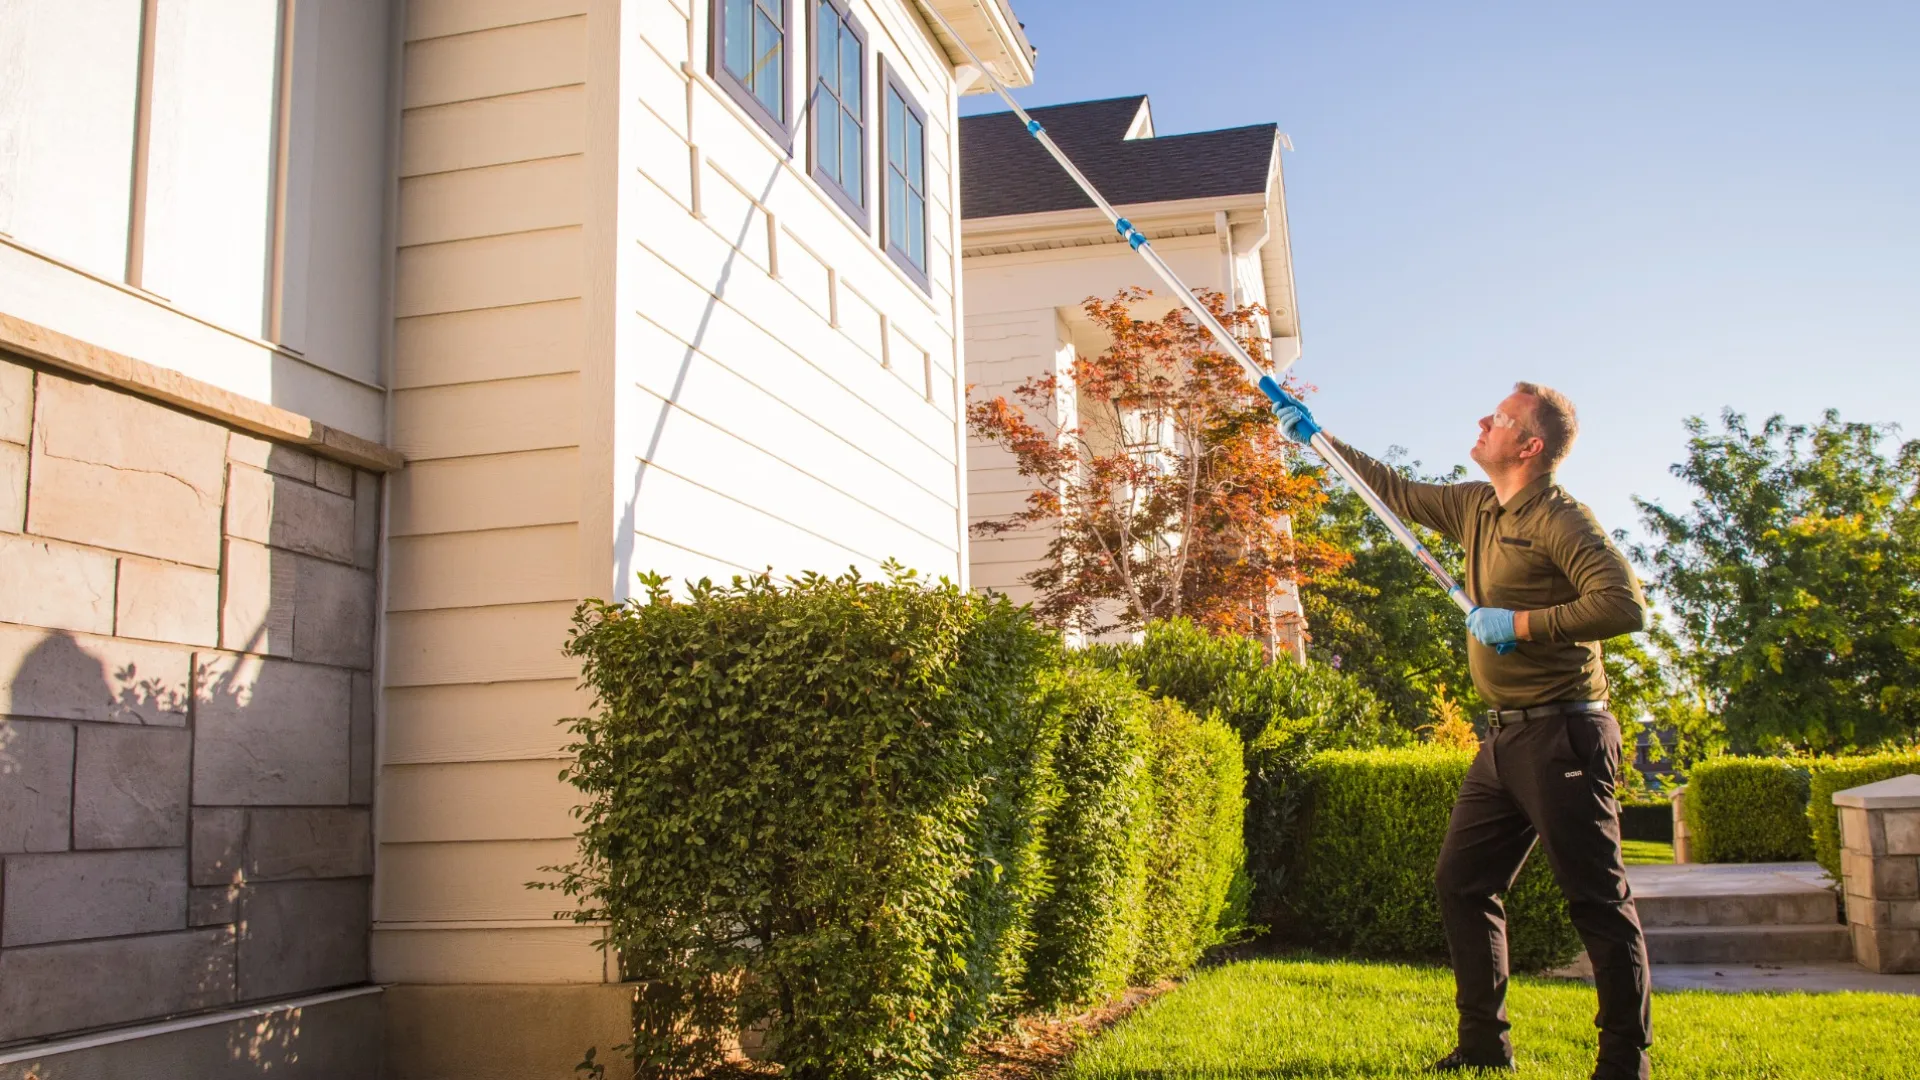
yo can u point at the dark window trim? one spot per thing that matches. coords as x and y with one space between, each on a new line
855 208
780 127
888 81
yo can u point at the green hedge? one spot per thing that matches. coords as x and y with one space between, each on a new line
817 805
1284 714
1829 775
1086 929
1195 852
1743 810
1371 837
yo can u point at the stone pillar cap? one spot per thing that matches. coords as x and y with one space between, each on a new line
1899 793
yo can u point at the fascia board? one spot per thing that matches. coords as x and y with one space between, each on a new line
1089 221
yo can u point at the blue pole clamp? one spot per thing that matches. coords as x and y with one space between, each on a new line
1134 236
1034 129
1306 427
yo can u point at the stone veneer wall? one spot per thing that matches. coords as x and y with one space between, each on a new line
186 711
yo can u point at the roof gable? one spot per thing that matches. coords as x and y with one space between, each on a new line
1004 171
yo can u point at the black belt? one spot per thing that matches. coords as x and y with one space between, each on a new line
1499 718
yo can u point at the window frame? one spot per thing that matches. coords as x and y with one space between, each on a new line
857 209
889 81
779 127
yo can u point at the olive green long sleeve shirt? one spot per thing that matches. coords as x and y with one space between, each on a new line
1542 553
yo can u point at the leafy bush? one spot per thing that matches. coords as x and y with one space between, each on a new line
1087 927
1748 810
1284 714
1370 841
815 804
1828 775
1195 851
1646 816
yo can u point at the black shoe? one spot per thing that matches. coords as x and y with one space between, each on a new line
1461 1061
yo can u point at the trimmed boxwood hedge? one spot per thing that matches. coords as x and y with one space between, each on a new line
1829 775
1742 810
1371 837
1284 714
1088 924
816 805
878 817
1195 853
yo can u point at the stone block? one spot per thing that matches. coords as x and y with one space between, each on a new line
292 844
360 743
90 894
366 519
51 989
284 513
13 488
130 787
1886 877
1885 950
213 905
1891 914
298 936
270 733
55 585
1855 830
16 402
259 591
333 476
219 846
161 601
1900 829
270 456
36 786
62 676
115 471
333 614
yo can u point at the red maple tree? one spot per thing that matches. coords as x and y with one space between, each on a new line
1168 490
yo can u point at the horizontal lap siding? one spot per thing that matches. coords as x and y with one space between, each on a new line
779 361
484 543
1004 350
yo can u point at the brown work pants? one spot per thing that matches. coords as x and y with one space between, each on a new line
1552 779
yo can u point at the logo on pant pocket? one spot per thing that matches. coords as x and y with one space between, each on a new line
1574 773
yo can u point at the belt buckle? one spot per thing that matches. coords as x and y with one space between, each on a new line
1493 720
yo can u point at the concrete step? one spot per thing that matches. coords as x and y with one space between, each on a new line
1748 944
1810 907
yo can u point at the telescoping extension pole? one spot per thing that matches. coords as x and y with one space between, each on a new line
1266 382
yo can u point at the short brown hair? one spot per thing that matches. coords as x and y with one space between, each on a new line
1553 420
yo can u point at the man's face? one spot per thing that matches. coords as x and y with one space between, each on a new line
1507 436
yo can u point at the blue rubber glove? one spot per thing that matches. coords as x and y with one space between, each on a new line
1493 627
1296 422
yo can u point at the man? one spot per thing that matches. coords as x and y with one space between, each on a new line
1550 587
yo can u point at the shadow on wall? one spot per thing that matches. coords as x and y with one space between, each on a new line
125 902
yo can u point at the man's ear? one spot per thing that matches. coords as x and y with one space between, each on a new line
1535 447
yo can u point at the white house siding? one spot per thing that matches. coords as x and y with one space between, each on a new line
489 340
179 272
790 396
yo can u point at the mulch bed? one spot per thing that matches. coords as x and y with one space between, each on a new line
1038 1048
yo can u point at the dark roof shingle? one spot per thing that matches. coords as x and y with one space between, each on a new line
1003 170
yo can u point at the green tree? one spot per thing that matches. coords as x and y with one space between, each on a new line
1795 580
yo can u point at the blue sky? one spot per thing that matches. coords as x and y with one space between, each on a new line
1663 209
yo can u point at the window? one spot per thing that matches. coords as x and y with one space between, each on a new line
840 108
750 59
904 197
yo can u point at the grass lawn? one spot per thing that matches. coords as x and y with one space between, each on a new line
1646 851
1306 1019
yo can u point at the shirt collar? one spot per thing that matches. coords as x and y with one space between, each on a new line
1527 494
